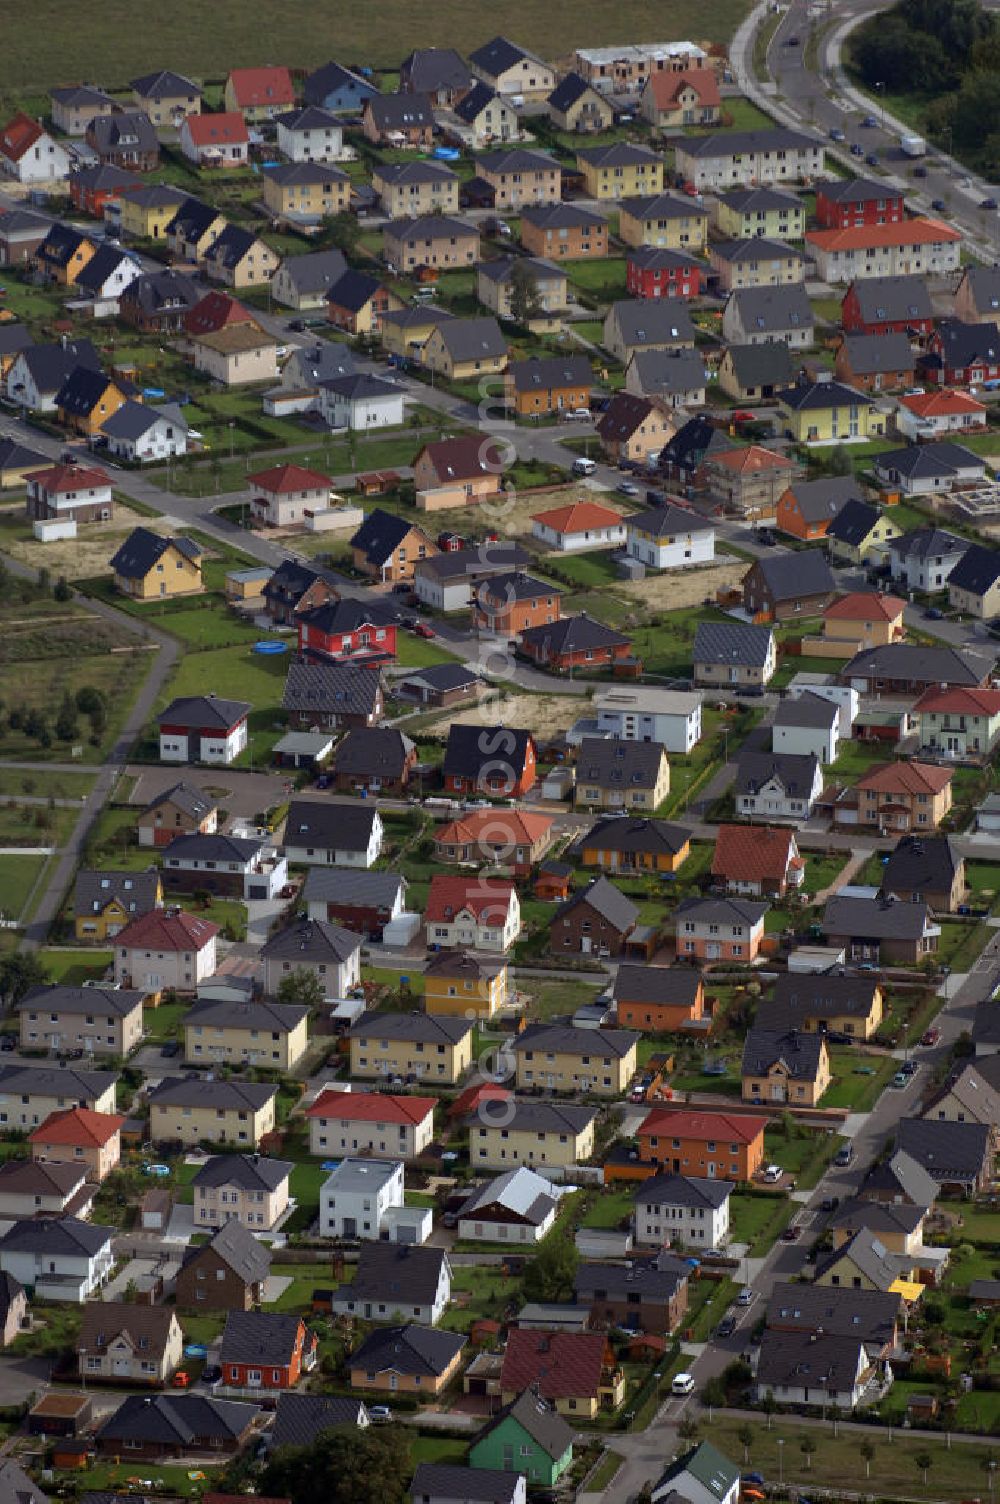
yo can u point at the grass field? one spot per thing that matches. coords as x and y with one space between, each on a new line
207 42
18 875
74 967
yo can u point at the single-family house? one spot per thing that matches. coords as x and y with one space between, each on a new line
924 559
302 283
394 1281
522 289
825 1004
249 1188
935 414
370 1123
777 785
515 1131
762 315
531 1430
828 412
406 190
861 534
165 949
575 1371
649 1293
226 1273
79 1136
166 97
899 796
398 120
634 844
660 999
958 722
790 1067
669 537
756 861
215 140
807 725
126 1342
29 154
420 1361
879 930
575 105
904 668
875 362
141 434
306 192
270 1035
269 1349
516 176
734 655
329 951
336 88
376 759
690 97
787 585
472 913
401 1045
710 1145
310 134
558 1057
637 324
925 868
95 1020
511 69
518 1207
685 1211
362 901
922 469
888 305
155 1427
597 919
58 1258
974 583
719 929
259 93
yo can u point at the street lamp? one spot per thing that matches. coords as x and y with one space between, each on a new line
781 1475
880 91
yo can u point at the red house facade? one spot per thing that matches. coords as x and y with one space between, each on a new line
651 272
261 1352
861 314
847 205
92 189
347 630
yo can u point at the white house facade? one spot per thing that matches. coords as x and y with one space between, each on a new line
641 714
683 1210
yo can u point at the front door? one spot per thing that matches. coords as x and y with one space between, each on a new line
350 1227
712 951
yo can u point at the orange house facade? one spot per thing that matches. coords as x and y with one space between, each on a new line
281 1372
711 1145
800 521
511 603
641 1004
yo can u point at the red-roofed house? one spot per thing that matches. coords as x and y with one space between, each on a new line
82 1137
899 796
959 723
219 140
284 494
759 860
513 838
574 1371
72 493
714 1145
477 913
368 1123
750 480
28 152
925 247
690 97
579 524
933 414
165 948
474 1096
259 93
215 311
863 619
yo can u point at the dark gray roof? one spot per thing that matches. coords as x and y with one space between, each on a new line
49 365
315 272
380 750
977 571
805 396
938 460
795 771
380 535
69 1087
867 1251
857 191
133 419
649 1279
22 222
662 206
768 364
709 1467
947 1151
211 848
732 642
473 339
471 749
177 1420
796 575
272 1018
669 372
536 1117
15 1485
664 521
140 552
198 1091
473 1485
503 268
56 1237
353 885
567 91
807 710
338 827
635 833
441 676
543 1424
805 995
874 918
743 200
564 1039
472 104
428 69
984 284
85 1000
573 634
823 1364
131 131
259 1337
15 456
251 1172
401 174
772 310
968 344
187 798
656 984
289 174
871 1314
798 1052
879 1217
400 112
397 1274
853 521
327 688
300 1418
236 1245
901 1175
755 249
613 764
477 562
878 354
81 96
731 911
683 1190
927 543
309 940
135 891
164 85
617 154
421 1028
409 1350
159 292
431 227
746 143
918 664
333 78
891 300
920 864
542 373
606 900
496 56
641 321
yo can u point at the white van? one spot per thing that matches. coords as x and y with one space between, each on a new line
584 467
773 1174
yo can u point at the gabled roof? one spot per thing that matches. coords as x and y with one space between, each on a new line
328 688
609 902
766 364
633 834
409 1351
251 1172
142 1326
754 853
311 940
878 354
133 419
728 911
573 634
400 112
353 290
917 231
565 1039
795 575
253 87
237 1247
177 1420
372 1107
539 1420
478 98
567 91
556 1365
164 85
891 300
805 996
795 772
615 764
381 534
550 372
300 1418
384 750
371 888
19 135
161 930
186 797
690 1191
462 458
141 551
315 272
520 1193
428 69
968 344
264 1337
489 902
799 1054
77 1127
645 322
56 1238
977 571
960 700
874 918
467 756
472 339
496 56
807 710
905 777
666 86
771 310
825 1364
669 372
333 77
852 523
870 1314
732 642
946 1150
398 1274
341 827
473 1485
131 130
708 1466
658 985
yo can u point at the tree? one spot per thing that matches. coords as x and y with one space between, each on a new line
301 986
839 461
835 1419
807 1446
549 1276
524 301
769 1405
61 591
343 232
924 1461
688 1428
342 1466
745 1438
67 726
19 972
867 1450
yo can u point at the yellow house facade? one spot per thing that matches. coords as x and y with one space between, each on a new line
780 1081
307 188
153 568
459 984
39 1105
265 1037
612 857
665 220
855 1023
872 547
604 1063
446 357
107 911
112 1026
407 190
411 1044
245 587
620 171
144 213
236 1114
103 405
828 413
532 1133
257 1207
763 212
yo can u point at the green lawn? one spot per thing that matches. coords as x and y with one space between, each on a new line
983 880
241 675
74 967
665 648
43 783
609 1208
855 758
18 875
960 943
852 1086
803 1156
759 1220
821 871
604 280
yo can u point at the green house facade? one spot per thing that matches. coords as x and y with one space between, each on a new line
525 1437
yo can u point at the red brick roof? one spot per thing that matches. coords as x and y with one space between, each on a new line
282 478
371 1107
666 87
941 404
578 517
159 930
906 778
564 1365
753 853
262 86
69 478
488 899
228 128
754 457
962 701
19 135
508 827
727 1127
861 237
215 311
77 1125
480 1091
865 605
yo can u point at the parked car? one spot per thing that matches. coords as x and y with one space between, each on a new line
857 151
790 1233
843 1156
170 1049
900 1081
934 613
424 629
920 172
379 1415
627 488
929 1037
792 42
682 1383
837 134
745 1297
726 1327
939 206
871 158
908 1068
869 122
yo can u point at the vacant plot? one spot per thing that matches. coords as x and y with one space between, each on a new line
77 558
674 589
18 875
546 715
28 635
208 41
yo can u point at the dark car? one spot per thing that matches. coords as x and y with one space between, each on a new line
908 1068
857 151
170 1049
920 172
296 326
872 159
8 1042
869 121
792 42
933 613
988 203
939 206
211 1374
726 1327
790 1233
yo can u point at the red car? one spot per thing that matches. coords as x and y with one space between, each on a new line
743 417
931 1036
692 190
423 630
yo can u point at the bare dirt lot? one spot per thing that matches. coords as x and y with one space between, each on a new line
515 520
544 714
676 589
78 558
